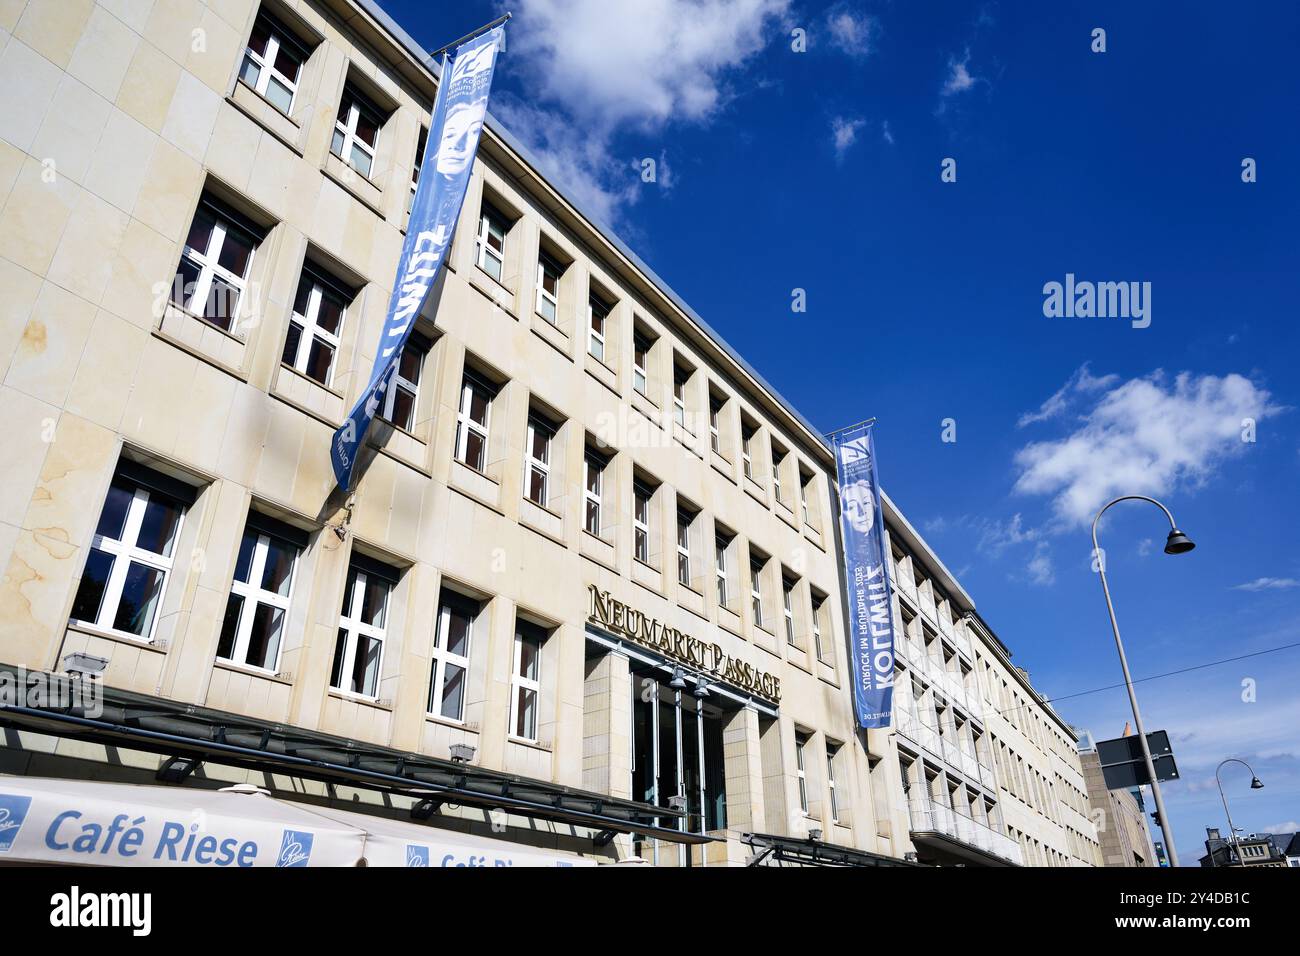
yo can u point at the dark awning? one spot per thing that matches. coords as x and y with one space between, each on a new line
805 852
189 735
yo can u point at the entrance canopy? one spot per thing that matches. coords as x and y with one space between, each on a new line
88 823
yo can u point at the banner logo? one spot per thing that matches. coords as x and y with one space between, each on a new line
295 848
417 856
13 811
871 619
458 115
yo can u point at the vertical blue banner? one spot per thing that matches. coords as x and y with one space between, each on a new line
866 580
458 114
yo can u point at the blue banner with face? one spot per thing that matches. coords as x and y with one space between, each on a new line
866 568
458 115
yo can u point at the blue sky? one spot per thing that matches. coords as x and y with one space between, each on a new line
819 170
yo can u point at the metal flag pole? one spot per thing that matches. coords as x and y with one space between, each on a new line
836 431
472 34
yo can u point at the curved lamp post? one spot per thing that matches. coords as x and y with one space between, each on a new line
1177 543
1254 785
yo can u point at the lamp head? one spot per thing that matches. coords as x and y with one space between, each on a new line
1178 543
1256 784
679 679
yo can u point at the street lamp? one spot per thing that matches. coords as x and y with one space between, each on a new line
1177 543
1255 784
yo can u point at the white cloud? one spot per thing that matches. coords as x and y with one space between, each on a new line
959 76
1290 826
1145 436
1268 584
844 133
851 32
1081 382
596 69
886 134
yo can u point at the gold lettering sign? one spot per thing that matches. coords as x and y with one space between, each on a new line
619 618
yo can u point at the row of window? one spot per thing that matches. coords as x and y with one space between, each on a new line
131 558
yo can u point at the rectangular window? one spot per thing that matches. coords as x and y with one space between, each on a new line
472 422
684 521
404 387
130 559
593 482
640 361
801 769
747 450
359 653
525 680
680 378
315 326
776 475
818 605
537 468
831 752
720 569
641 522
213 271
451 647
548 287
756 590
253 628
273 62
597 317
804 481
421 145
356 131
715 427
490 244
787 603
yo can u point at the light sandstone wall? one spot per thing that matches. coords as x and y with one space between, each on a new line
117 115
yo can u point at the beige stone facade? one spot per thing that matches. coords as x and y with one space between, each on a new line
574 434
1120 818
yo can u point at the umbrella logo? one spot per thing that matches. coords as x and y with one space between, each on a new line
295 848
13 811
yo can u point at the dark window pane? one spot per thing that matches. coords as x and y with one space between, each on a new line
257 42
235 252
367 128
90 592
303 296
158 527
365 667
319 360
244 563
537 486
453 692
456 640
223 301
264 640
291 342
286 61
330 312
140 593
113 517
474 450
200 233
279 567
340 648
478 406
526 725
229 627
529 651
403 408
187 277
409 367
374 598
593 517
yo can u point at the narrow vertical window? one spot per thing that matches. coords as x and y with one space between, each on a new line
684 520
787 603
538 466
472 423
490 243
597 316
252 630
356 131
747 450
756 591
404 387
548 288
451 649
593 481
831 752
314 328
272 62
525 680
801 769
640 362
715 427
720 570
680 377
818 606
212 274
358 654
641 523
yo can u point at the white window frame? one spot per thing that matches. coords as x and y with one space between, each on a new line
465 424
747 451
399 381
540 465
442 657
720 569
519 682
817 629
590 465
831 753
348 128
423 134
803 497
640 373
641 529
801 772
776 475
209 263
124 554
351 624
756 591
715 428
266 62
488 219
787 604
312 329
253 595
684 549
596 339
544 297
679 394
